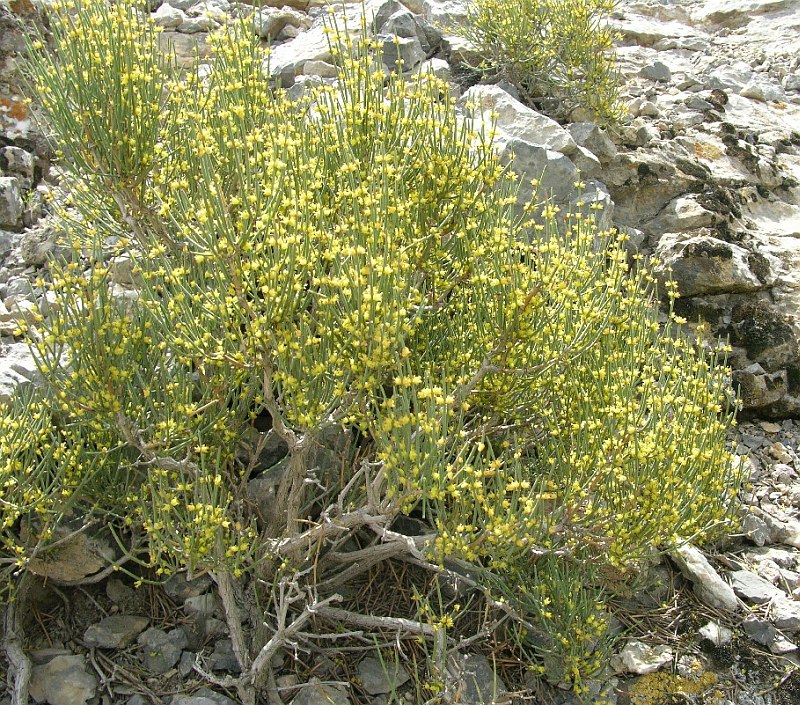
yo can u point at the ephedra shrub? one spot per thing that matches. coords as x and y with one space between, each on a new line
343 277
556 51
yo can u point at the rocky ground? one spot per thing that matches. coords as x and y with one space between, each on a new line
705 173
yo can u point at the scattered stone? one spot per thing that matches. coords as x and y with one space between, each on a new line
11 205
161 650
115 632
180 588
708 585
657 71
716 634
223 658
203 696
316 693
639 658
752 587
474 681
168 16
756 530
63 681
785 613
554 174
380 676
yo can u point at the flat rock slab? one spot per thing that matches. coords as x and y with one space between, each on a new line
115 632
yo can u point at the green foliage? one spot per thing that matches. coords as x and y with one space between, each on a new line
550 49
351 259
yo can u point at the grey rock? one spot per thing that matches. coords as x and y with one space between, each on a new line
223 657
595 139
730 77
36 245
515 121
759 630
193 25
647 31
446 14
203 696
681 214
161 650
179 587
594 202
706 265
708 585
401 53
322 69
117 591
753 588
716 634
63 681
406 24
115 632
19 162
657 71
287 59
316 693
11 205
200 605
556 174
269 21
762 91
17 366
587 163
474 680
782 557
756 530
168 16
785 614
380 676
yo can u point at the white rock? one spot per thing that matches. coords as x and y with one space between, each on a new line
168 16
680 214
639 658
708 585
763 91
716 634
513 120
193 25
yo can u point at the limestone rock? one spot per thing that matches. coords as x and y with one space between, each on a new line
63 681
474 681
680 214
161 650
639 658
708 585
381 677
168 16
115 632
556 174
316 693
706 265
753 588
515 121
269 21
11 206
